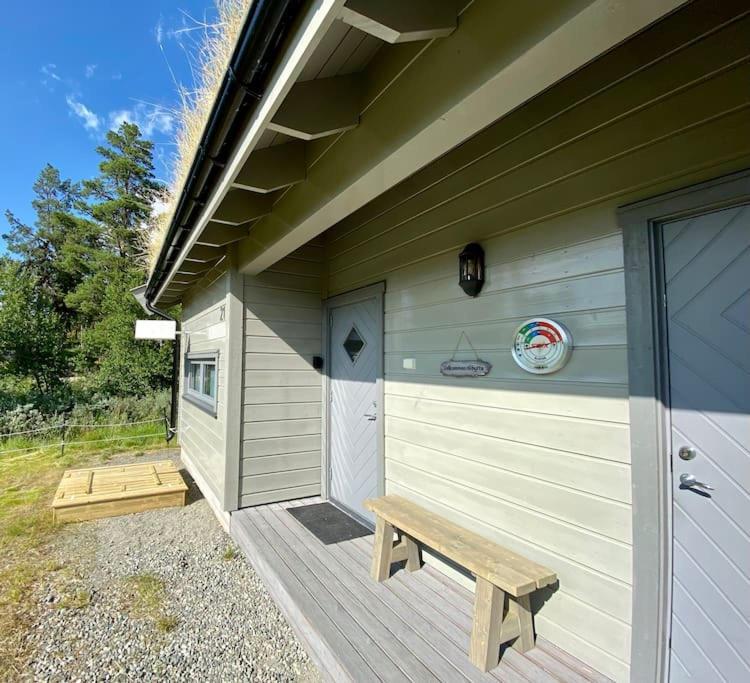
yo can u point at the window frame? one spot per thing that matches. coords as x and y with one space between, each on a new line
197 397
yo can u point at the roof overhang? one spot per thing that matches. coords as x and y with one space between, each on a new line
348 137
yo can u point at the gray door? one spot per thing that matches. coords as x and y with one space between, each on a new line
707 274
355 340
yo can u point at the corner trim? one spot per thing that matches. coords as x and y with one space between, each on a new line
649 414
206 490
234 373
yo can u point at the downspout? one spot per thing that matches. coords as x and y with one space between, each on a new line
172 427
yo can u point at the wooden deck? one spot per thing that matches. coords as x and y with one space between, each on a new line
96 492
412 627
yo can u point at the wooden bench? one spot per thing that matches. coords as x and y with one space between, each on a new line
498 572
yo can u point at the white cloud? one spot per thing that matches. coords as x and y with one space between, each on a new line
159 31
50 76
90 120
89 70
148 118
50 70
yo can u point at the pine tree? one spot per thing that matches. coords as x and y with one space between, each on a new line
120 199
119 203
67 291
54 249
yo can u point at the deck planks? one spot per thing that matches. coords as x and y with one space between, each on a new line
413 627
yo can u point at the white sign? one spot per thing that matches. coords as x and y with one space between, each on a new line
155 329
465 368
542 346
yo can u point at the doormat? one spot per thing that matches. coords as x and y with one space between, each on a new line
327 523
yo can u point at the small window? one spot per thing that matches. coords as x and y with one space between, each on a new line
200 376
353 344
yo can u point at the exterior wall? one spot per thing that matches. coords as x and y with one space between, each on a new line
203 436
282 393
541 464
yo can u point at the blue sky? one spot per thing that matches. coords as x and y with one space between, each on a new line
72 70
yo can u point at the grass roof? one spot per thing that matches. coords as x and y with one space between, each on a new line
210 57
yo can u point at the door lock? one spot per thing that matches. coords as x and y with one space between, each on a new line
687 452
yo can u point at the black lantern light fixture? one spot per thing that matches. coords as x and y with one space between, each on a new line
471 269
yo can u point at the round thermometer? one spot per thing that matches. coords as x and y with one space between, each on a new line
541 346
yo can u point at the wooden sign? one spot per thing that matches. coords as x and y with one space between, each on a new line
465 368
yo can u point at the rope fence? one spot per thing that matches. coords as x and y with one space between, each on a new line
74 429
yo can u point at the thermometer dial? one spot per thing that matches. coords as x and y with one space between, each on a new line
541 346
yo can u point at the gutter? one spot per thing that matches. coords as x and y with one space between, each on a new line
267 26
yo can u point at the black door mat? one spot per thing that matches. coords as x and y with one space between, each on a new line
327 523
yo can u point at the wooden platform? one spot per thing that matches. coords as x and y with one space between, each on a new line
412 627
97 492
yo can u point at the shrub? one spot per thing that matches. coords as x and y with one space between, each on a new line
82 409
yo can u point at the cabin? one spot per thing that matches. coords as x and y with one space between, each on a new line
491 258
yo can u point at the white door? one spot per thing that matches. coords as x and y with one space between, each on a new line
355 352
707 274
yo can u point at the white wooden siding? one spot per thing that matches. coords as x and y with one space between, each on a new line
541 464
201 434
282 393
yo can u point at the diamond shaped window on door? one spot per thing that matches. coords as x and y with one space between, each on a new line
353 344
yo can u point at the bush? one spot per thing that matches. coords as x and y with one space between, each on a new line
78 408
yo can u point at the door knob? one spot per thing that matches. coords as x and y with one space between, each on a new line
687 452
689 481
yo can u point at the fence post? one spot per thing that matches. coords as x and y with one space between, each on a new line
62 441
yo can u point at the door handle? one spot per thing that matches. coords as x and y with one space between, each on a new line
371 417
689 481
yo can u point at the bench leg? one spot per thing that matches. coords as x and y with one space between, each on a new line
407 550
484 650
521 608
382 550
412 555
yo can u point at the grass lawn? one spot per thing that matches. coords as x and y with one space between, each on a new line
28 480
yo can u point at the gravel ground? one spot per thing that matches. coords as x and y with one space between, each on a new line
206 617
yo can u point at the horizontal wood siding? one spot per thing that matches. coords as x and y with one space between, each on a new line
204 328
282 393
541 463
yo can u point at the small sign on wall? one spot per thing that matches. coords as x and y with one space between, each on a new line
465 368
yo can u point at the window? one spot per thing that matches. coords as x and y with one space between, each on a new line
200 380
353 344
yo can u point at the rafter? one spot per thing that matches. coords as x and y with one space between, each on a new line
318 108
204 254
273 168
402 22
241 206
193 268
220 234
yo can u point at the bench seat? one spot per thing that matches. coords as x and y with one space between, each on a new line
498 572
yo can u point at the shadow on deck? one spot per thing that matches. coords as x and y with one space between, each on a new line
411 627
